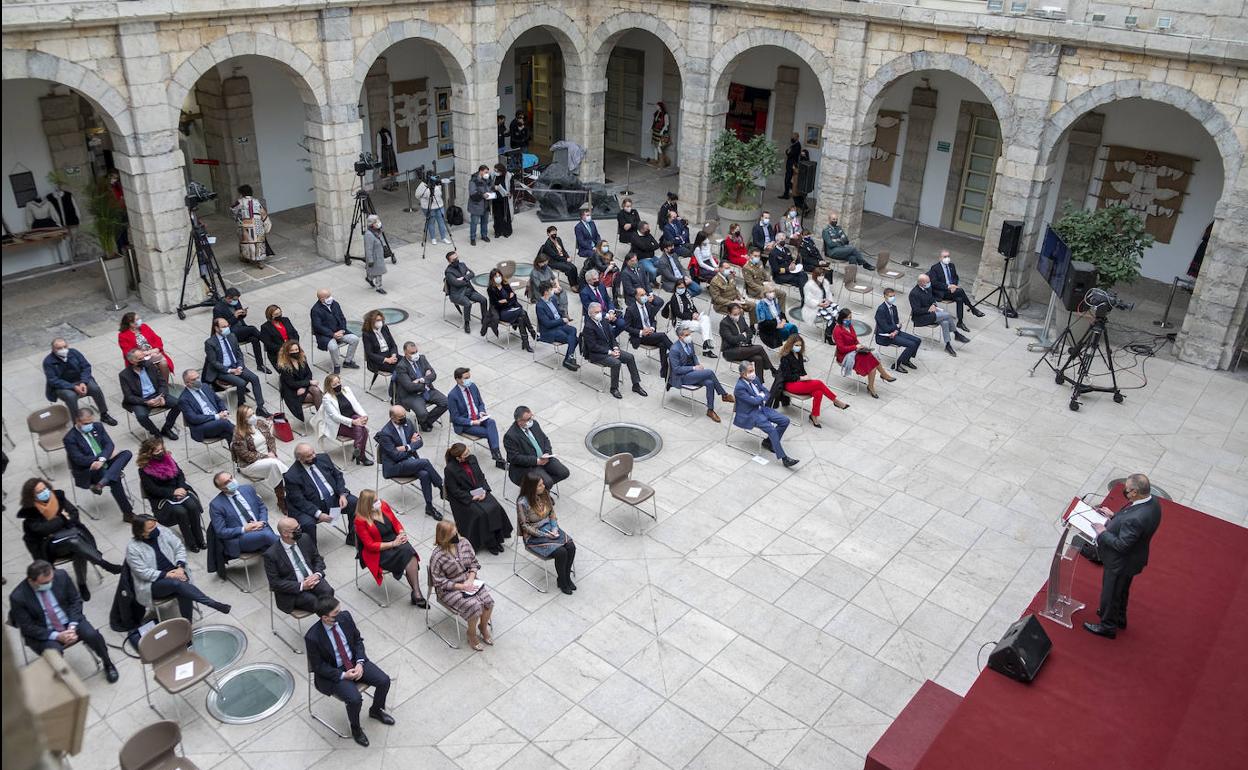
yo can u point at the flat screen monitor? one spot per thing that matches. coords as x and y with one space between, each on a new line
1054 261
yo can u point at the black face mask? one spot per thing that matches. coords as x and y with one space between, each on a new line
455 540
296 535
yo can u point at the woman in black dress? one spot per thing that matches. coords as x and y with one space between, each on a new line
295 379
381 354
479 517
52 530
173 500
276 331
505 306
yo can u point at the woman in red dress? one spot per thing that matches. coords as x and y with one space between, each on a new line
735 248
133 333
865 362
383 545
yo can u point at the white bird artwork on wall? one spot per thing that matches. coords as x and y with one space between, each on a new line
1141 192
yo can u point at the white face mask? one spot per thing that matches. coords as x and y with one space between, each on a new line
755 260
138 322
766 220
750 375
680 291
412 357
378 324
797 348
891 300
529 425
62 353
329 300
588 219
498 279
377 505
597 316
628 208
251 420
945 260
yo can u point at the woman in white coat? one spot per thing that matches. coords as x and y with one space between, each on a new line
342 416
817 297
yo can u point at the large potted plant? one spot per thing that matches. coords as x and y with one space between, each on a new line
108 220
739 169
1113 239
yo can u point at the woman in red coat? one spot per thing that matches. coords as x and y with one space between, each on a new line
864 361
133 333
735 247
383 545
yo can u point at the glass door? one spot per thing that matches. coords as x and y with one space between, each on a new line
543 112
975 194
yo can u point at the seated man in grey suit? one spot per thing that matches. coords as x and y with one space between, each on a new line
685 369
413 380
295 569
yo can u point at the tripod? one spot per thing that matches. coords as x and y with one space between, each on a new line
198 247
359 218
1081 353
1001 294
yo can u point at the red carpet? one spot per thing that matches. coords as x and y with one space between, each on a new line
1170 693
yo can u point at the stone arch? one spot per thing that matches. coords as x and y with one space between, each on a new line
304 72
722 64
450 49
1209 116
112 106
614 27
565 31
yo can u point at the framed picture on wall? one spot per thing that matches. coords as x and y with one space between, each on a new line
446 148
813 136
444 128
442 101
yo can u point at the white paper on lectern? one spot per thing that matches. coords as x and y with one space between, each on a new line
1083 517
184 671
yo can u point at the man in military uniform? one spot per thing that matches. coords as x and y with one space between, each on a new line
836 245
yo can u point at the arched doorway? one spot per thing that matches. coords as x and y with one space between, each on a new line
531 87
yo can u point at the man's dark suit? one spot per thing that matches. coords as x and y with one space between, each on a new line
327 674
941 282
886 322
304 502
396 462
326 321
81 456
559 259
597 341
27 614
204 426
60 377
1123 548
285 584
634 323
522 457
758 235
132 399
921 301
242 331
587 238
415 396
216 368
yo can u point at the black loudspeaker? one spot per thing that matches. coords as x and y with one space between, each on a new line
1022 650
1011 235
806 172
1079 279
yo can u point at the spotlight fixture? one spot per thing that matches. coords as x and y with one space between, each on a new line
1131 21
996 6
1165 22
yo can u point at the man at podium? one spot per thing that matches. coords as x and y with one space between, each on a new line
1122 543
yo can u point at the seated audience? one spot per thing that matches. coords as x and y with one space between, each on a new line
223 364
52 530
751 411
295 380
329 328
553 256
295 569
633 277
641 319
157 561
944 275
144 390
836 244
338 663
174 502
852 355
598 341
343 417
680 309
704 264
529 450
736 344
469 416
792 378
925 312
671 269
384 546
685 369
276 331
555 326
543 274
455 568
505 307
888 332
593 290
786 268
774 326
586 233
47 611
381 354
676 230
756 274
413 387
817 297
203 412
764 232
458 281
398 446
539 526
95 462
627 221
735 247
67 376
808 252
230 309
136 335
477 512
645 246
254 449
239 518
314 488
724 291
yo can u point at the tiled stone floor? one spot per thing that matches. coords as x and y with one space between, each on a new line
772 618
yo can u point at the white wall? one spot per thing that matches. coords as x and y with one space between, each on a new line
409 60
1153 126
881 198
279 120
25 145
757 68
652 90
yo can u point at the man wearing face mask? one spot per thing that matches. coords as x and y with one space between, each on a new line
628 221
557 257
756 274
644 246
223 362
529 451
586 233
554 325
469 416
144 389
397 446
95 462
764 232
672 269
598 341
925 312
836 244
47 610
203 412
67 375
737 341
641 319
751 412
374 253
295 569
687 371
459 290
480 193
594 292
314 488
240 520
944 275
329 326
676 230
230 307
888 332
724 290
413 387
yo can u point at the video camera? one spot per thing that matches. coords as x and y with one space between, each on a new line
367 162
196 194
1101 301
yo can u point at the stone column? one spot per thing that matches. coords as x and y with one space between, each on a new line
1021 184
701 116
585 102
377 102
216 137
241 148
150 163
335 135
1082 144
842 150
1219 307
919 119
785 102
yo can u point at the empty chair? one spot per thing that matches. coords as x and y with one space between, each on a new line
47 432
155 748
166 648
852 286
882 269
617 478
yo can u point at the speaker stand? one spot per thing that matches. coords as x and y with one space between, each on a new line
1001 294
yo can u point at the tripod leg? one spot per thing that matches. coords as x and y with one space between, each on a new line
186 272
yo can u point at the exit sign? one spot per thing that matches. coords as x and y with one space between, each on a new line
942 147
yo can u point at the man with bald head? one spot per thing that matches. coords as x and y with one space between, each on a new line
925 312
329 326
67 376
397 450
295 569
1122 545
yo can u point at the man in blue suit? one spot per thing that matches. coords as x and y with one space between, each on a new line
397 445
593 291
203 413
67 376
95 462
338 663
764 232
676 230
239 518
587 238
944 275
223 362
682 361
751 411
468 414
554 327
888 332
329 326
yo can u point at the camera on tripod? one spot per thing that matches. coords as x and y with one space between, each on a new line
196 194
432 180
1101 301
367 162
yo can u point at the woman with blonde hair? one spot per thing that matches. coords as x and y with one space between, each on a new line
342 411
455 567
254 449
384 545
295 379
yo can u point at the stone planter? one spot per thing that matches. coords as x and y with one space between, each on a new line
746 217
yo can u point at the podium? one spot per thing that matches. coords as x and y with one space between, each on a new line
1059 604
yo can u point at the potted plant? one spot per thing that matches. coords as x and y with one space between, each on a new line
1113 239
108 221
738 168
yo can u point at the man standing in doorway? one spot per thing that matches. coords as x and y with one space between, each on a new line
792 157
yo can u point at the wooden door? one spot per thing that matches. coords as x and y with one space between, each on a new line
978 175
625 78
543 106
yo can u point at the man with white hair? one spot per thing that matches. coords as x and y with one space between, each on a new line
598 339
685 369
374 253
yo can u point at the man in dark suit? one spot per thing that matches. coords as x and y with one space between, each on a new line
558 255
598 341
469 416
764 231
223 362
595 291
925 312
554 327
671 269
945 285
47 609
528 449
751 411
95 462
640 320
295 569
314 485
230 307
339 664
586 232
144 389
239 518
676 230
397 445
458 277
203 412
670 203
792 157
329 328
412 381
1122 544
67 376
888 332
